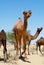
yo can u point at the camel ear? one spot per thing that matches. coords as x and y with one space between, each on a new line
41 27
24 12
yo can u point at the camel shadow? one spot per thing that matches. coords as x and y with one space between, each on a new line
23 59
42 55
1 59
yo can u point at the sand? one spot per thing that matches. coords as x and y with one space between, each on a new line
33 59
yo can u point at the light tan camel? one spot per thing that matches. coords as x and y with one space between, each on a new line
20 29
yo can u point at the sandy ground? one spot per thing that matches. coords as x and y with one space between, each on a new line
33 59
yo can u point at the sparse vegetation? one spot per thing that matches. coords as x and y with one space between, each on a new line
10 36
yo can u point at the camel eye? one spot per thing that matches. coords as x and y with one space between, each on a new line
29 13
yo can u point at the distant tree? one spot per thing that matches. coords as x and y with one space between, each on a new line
10 36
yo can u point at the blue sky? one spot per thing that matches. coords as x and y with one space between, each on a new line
11 10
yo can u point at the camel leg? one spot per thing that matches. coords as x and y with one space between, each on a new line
18 43
18 47
37 48
16 50
28 48
24 48
40 49
15 46
24 51
5 50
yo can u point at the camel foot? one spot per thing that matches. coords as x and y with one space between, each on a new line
24 59
5 60
20 57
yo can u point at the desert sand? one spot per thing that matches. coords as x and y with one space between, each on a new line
33 58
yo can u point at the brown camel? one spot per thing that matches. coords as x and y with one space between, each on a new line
20 29
39 43
3 42
28 37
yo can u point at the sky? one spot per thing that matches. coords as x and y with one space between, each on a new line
11 10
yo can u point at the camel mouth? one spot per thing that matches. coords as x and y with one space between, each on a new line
30 14
41 29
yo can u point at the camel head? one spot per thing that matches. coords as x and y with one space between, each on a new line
39 29
27 14
2 30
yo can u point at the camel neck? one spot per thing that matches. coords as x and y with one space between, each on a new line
25 23
35 36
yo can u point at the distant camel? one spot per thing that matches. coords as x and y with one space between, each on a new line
39 43
3 42
28 37
20 29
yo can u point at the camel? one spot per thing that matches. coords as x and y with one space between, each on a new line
3 42
39 43
28 37
19 30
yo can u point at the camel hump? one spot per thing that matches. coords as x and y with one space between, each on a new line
2 35
19 24
41 37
